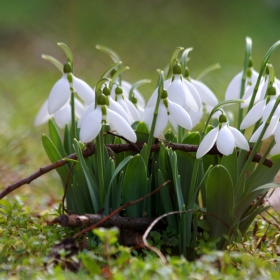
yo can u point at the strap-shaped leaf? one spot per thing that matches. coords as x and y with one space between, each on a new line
55 137
135 185
219 200
54 156
92 188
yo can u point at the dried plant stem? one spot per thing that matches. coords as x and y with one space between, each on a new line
116 148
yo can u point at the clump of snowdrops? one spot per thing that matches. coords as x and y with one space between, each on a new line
216 178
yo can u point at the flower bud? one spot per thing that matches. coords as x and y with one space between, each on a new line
118 90
106 91
222 118
101 100
164 94
177 69
67 68
187 72
271 90
134 100
249 73
250 63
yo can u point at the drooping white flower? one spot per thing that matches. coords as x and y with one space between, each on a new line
61 91
234 87
61 117
263 108
225 137
167 111
96 117
126 86
127 105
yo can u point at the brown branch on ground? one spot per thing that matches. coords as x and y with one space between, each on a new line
117 148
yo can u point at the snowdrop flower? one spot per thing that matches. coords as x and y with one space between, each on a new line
127 105
263 108
226 138
269 131
233 89
61 117
61 92
167 111
91 124
126 86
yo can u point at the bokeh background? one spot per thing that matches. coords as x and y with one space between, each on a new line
144 34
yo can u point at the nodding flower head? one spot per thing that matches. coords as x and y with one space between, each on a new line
225 137
167 111
61 91
93 119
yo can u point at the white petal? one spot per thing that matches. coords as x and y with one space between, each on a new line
79 108
179 93
253 115
194 92
153 99
88 110
121 125
233 89
63 116
132 110
240 140
147 116
269 131
91 125
276 149
268 109
206 94
43 114
59 95
173 122
225 141
207 143
195 116
116 107
277 133
84 90
180 115
126 86
162 120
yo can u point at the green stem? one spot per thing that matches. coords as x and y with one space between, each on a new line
248 52
100 162
151 135
72 102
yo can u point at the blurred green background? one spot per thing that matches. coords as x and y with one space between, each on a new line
143 33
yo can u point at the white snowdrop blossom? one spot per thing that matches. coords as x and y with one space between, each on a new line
127 105
225 137
262 109
62 116
126 86
233 89
61 91
90 124
167 111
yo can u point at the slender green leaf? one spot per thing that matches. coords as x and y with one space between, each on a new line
67 51
166 201
219 200
93 190
135 185
264 175
55 137
54 61
54 156
230 163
